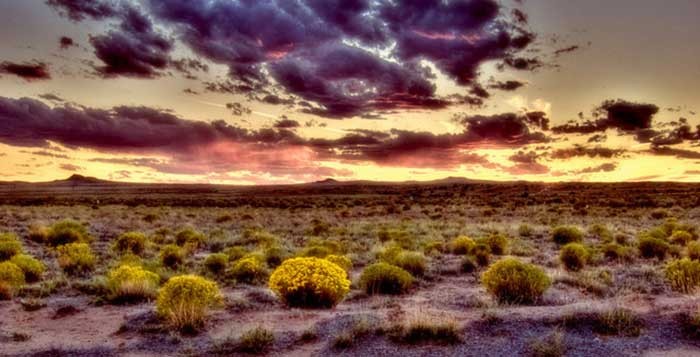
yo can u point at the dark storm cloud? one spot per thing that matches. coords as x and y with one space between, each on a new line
188 66
28 122
582 151
66 42
425 149
679 153
134 50
304 46
286 123
51 97
29 71
78 10
507 85
607 167
564 50
615 114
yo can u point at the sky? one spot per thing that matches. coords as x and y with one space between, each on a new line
290 91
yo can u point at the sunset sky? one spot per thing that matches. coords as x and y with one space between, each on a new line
287 91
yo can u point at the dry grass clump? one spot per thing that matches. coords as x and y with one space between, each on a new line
11 280
462 245
67 231
171 256
566 234
33 268
249 270
185 300
130 242
512 281
360 328
383 278
129 283
216 263
256 341
683 275
601 232
425 328
309 283
9 246
620 322
258 237
574 256
76 258
551 345
525 230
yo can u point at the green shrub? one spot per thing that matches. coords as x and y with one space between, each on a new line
498 243
652 247
693 250
618 321
216 263
316 252
190 238
9 246
130 242
574 256
433 248
67 231
566 234
171 256
249 270
75 258
184 301
341 261
32 268
601 232
690 324
274 256
468 264
683 275
38 233
482 254
258 237
309 282
129 283
681 237
256 341
413 262
512 281
615 251
462 245
551 345
11 280
525 230
236 252
383 278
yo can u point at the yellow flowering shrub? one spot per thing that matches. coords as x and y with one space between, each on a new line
310 282
185 300
32 268
131 283
75 258
340 260
11 280
250 269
